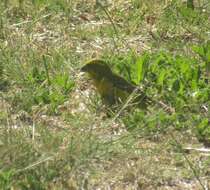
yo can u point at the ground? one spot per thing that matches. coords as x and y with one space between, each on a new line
56 133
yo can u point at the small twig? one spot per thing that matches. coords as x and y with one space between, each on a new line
112 22
33 130
179 145
30 21
35 164
126 104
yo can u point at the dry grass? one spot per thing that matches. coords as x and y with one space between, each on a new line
71 143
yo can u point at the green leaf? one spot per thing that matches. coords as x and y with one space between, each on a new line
161 77
199 50
141 67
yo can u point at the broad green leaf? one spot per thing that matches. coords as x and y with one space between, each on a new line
141 65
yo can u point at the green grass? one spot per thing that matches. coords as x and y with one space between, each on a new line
55 132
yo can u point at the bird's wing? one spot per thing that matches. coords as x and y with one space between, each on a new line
122 84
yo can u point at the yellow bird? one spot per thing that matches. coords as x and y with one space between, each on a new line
113 88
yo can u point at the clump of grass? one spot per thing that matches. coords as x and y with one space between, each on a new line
37 82
160 46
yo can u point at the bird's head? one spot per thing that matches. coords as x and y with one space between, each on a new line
97 69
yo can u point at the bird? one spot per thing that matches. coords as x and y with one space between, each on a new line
113 88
